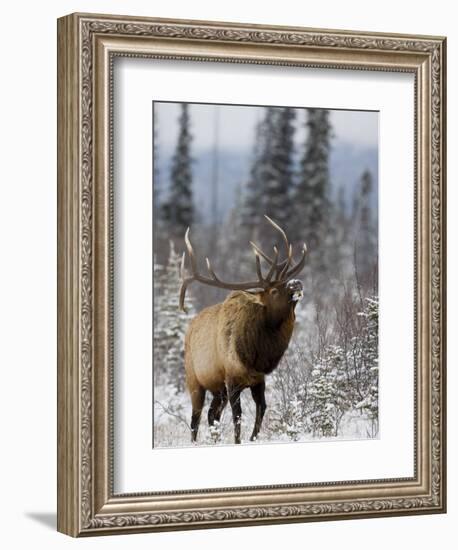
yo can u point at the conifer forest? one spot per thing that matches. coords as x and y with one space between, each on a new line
218 170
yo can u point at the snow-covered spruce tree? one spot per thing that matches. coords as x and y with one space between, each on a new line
341 397
365 230
288 418
320 402
170 323
329 393
368 356
236 257
311 199
156 171
252 197
160 233
178 210
337 250
268 190
279 182
366 233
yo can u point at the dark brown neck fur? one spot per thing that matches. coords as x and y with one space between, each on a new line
261 338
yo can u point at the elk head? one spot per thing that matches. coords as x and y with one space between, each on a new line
278 289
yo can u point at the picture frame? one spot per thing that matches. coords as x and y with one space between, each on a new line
88 44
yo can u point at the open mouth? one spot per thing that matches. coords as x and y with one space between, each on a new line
297 296
295 287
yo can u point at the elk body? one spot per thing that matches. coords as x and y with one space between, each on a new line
233 345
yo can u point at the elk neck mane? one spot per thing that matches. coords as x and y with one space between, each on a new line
259 339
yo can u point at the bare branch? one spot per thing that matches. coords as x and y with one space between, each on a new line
168 410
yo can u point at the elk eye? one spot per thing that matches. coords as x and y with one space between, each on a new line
274 291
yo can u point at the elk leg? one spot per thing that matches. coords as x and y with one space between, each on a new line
224 400
197 399
217 406
258 393
234 398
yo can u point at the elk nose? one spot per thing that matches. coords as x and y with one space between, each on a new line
294 285
295 288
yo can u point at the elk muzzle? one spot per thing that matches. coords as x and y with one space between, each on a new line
295 289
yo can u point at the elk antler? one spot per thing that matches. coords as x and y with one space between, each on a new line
283 273
281 270
213 280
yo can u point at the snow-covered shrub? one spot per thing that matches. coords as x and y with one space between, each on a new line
287 414
329 395
345 375
169 323
369 358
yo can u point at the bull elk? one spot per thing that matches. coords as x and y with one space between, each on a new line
233 345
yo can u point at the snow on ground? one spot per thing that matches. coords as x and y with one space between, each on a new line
172 416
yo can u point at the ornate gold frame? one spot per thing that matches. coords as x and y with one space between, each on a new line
87 44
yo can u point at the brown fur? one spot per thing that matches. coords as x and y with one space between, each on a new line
234 344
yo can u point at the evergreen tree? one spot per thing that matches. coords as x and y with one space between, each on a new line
170 323
320 395
160 236
312 192
368 357
236 256
365 209
288 417
156 172
345 374
253 196
365 230
178 211
330 392
268 190
279 177
342 221
339 251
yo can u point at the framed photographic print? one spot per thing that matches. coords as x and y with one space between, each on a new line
251 284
